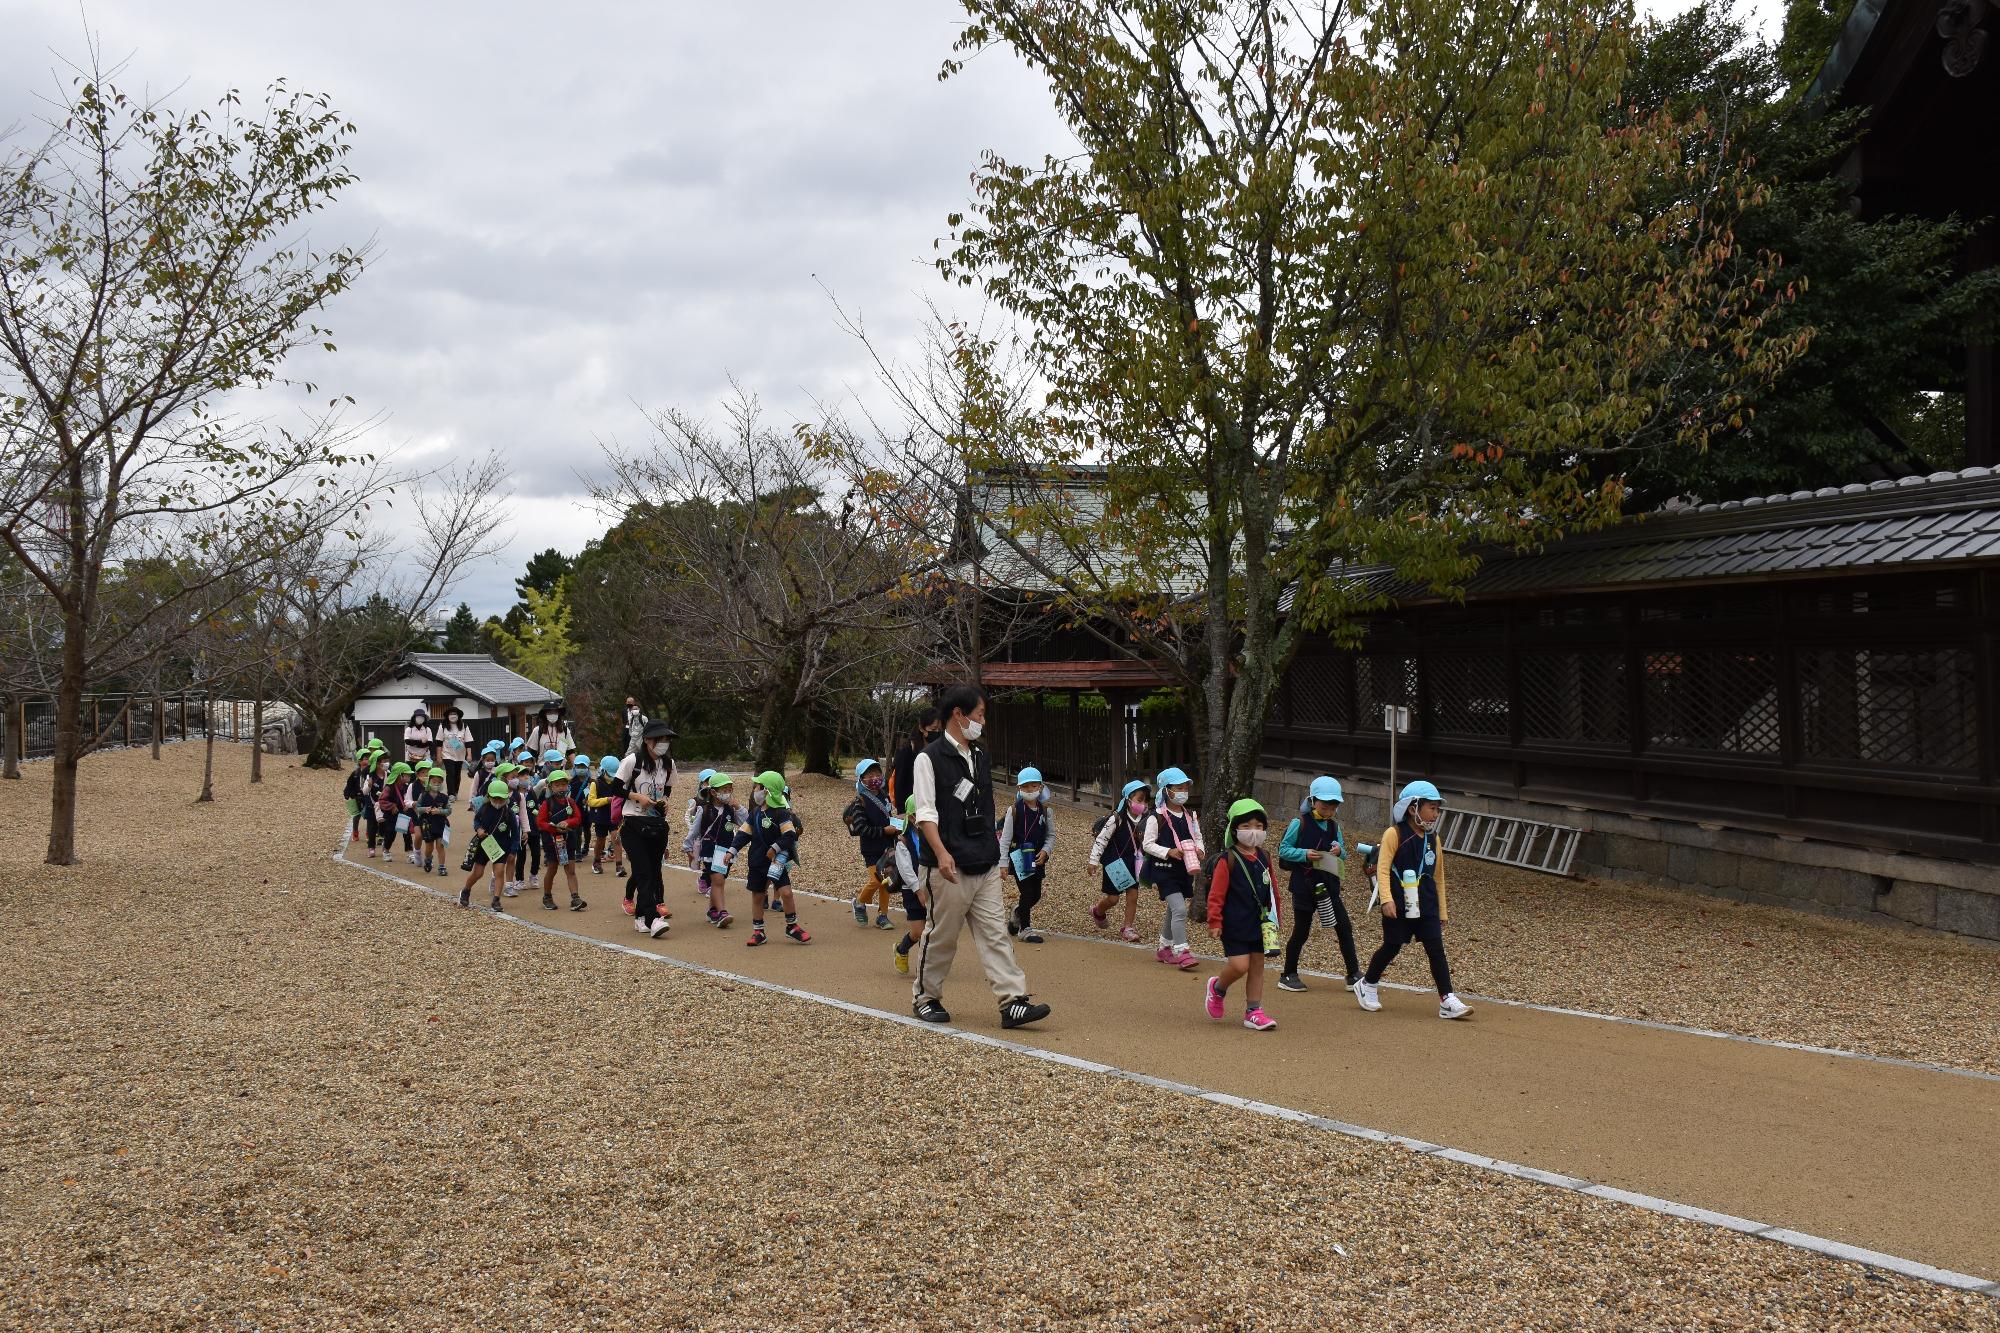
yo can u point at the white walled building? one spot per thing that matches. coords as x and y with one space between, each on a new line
473 682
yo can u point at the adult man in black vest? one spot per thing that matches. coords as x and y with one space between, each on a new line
952 781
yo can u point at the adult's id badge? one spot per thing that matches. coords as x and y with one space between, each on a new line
962 790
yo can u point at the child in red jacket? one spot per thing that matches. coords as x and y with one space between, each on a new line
1243 914
559 817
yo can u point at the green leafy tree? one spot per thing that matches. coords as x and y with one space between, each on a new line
1335 284
1879 389
461 632
151 268
542 648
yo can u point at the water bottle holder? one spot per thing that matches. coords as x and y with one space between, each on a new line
1324 911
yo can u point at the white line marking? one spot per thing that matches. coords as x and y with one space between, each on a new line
1821 1245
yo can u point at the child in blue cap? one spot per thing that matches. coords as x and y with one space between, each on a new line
1409 882
1120 859
1027 836
1311 850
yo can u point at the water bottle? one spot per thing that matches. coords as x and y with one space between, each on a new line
778 864
1270 935
1409 893
1323 907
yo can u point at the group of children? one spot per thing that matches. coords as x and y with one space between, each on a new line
536 814
1154 838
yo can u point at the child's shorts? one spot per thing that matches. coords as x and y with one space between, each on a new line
760 876
433 829
913 906
1237 948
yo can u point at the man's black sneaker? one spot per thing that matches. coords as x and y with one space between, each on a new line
933 1012
1290 981
1020 1011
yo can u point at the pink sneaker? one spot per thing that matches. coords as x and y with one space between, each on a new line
1258 1021
1128 934
1097 915
1164 953
1185 961
1214 1002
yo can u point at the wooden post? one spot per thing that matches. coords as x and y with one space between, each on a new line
184 714
96 726
1075 750
128 721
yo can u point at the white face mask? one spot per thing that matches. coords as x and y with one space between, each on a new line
659 749
1250 837
1178 797
759 796
1032 795
973 728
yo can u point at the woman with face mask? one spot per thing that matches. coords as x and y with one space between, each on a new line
1243 914
551 731
1171 840
646 781
418 738
455 744
1409 882
1119 858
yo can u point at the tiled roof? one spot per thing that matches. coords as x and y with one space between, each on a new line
1109 674
480 677
1947 518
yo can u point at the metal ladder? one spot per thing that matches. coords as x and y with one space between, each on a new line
1510 841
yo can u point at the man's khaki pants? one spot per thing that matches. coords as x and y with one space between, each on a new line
976 901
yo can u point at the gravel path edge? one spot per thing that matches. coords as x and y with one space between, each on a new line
1800 1240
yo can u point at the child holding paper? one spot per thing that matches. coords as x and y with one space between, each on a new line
1027 836
713 829
1117 855
492 832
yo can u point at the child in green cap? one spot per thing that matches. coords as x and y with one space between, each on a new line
772 837
1243 914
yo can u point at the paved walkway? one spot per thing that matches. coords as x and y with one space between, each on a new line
1888 1157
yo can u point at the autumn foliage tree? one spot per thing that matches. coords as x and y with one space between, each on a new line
1325 285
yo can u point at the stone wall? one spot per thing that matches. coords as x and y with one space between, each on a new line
1852 882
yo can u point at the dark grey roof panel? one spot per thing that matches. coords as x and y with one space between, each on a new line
1947 517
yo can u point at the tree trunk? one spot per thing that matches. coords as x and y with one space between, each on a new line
159 724
10 763
208 765
819 747
325 724
69 746
257 737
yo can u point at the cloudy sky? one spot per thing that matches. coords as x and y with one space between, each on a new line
582 207
579 208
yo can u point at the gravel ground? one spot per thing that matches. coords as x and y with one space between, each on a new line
1609 947
243 1086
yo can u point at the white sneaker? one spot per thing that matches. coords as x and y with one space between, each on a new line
511 890
660 925
641 927
1367 996
1453 1007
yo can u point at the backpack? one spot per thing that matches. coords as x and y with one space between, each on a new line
1097 825
855 816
